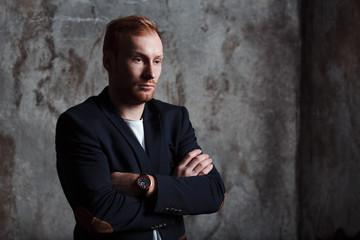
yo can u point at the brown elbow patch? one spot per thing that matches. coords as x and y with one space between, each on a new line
91 223
222 204
182 237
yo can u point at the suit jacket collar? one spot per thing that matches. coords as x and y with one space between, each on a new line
149 161
153 136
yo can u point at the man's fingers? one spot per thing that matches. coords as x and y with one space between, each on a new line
189 156
202 165
194 164
206 170
197 160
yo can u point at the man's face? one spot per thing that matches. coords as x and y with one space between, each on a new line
136 69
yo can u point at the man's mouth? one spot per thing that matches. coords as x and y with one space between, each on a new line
146 86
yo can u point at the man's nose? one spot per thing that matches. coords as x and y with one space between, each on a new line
149 72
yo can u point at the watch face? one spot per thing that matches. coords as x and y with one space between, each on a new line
144 182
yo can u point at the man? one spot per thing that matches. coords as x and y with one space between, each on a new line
130 165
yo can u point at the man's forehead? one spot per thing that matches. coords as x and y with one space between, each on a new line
131 36
142 42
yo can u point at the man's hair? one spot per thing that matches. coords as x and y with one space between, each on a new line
119 28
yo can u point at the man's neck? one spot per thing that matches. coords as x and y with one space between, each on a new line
127 110
133 112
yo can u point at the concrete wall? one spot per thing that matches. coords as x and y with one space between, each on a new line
330 120
234 64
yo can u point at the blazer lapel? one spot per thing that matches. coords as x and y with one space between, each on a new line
153 138
109 110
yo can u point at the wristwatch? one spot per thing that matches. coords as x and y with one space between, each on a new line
144 182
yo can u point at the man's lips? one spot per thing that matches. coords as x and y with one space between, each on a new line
146 86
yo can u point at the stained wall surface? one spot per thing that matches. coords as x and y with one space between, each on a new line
233 64
330 121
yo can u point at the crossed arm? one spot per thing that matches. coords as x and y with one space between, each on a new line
195 163
90 186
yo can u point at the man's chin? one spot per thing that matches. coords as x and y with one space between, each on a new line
143 98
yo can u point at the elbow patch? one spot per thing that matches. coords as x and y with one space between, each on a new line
182 237
222 204
91 223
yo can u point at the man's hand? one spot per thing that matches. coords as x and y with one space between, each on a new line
194 163
126 183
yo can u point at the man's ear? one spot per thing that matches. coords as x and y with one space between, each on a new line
107 60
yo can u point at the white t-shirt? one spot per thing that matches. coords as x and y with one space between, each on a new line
137 127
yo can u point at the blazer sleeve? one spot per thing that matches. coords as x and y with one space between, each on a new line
85 177
189 195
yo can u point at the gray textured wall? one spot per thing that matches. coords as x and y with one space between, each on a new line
234 64
330 122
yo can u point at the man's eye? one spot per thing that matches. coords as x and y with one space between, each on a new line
157 61
137 59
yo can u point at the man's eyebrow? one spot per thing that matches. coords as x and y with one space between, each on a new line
144 55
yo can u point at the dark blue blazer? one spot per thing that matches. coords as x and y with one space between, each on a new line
92 141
